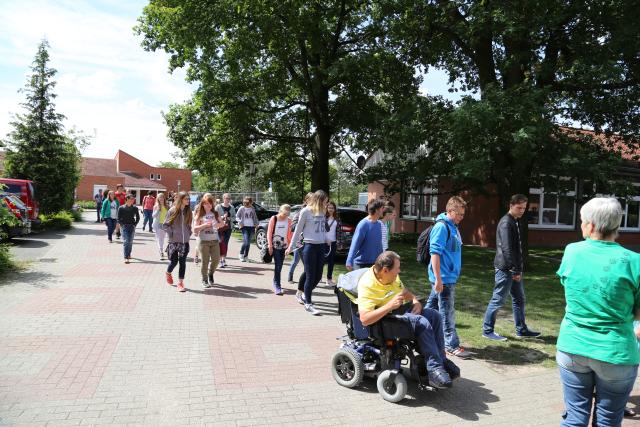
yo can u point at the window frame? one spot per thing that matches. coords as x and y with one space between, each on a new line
626 216
418 194
151 176
540 192
158 177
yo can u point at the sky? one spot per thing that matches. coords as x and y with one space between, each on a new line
107 85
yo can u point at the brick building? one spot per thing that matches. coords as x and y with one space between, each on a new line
553 213
137 177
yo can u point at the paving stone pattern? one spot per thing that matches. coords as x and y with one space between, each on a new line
88 340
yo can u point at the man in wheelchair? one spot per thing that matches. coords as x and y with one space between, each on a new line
381 292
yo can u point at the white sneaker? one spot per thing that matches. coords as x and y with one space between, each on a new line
300 297
311 309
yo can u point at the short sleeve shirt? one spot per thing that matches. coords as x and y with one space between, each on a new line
372 294
601 285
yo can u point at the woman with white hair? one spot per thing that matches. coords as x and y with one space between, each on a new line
597 348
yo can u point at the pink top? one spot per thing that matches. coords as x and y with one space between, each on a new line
148 202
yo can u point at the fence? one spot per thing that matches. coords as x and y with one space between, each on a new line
265 198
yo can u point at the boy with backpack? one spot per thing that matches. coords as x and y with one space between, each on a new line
444 246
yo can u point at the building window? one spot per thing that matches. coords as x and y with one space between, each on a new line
151 177
553 206
630 214
158 177
420 202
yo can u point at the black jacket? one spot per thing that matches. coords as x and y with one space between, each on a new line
508 249
128 215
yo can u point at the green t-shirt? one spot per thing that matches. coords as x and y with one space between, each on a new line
601 289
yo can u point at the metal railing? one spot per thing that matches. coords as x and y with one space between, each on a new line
266 199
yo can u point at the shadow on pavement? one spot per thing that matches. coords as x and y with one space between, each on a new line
36 279
513 354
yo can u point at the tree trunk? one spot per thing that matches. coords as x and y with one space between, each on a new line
320 166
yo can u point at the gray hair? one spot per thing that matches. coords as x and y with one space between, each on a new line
605 213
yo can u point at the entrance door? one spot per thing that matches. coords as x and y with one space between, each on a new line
98 188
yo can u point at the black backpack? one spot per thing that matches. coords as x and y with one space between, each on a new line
422 250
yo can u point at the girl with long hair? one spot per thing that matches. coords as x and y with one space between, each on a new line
312 223
227 212
334 228
247 221
177 224
278 237
207 221
109 213
159 214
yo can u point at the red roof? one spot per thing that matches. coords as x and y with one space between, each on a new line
107 167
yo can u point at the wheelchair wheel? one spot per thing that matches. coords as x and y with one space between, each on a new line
347 367
392 390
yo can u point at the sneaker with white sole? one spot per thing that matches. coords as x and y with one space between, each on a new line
458 352
311 309
494 337
300 298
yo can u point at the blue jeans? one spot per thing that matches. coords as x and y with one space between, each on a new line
148 213
505 285
128 231
111 225
278 260
580 376
247 232
444 302
428 330
294 263
313 260
330 260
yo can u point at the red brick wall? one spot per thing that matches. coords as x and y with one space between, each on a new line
84 191
169 177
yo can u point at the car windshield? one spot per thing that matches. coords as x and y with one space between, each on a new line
351 216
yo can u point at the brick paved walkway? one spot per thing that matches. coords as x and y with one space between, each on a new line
85 339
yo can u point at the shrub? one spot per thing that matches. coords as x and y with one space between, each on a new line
58 221
86 204
76 214
6 260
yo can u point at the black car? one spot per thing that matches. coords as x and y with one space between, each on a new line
262 212
349 219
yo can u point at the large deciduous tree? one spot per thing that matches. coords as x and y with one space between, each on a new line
310 77
533 67
37 147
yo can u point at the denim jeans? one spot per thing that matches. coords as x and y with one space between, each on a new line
278 260
247 232
330 260
444 302
225 236
181 261
111 225
580 376
313 260
505 285
147 218
428 330
294 263
128 231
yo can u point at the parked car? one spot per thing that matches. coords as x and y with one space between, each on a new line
349 218
20 211
262 212
23 188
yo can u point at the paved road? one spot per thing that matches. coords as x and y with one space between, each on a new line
87 340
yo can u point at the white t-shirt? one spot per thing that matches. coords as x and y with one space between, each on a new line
331 234
114 210
280 234
385 236
247 218
208 234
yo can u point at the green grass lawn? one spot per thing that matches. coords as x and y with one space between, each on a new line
544 307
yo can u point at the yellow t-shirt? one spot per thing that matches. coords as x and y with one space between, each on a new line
372 294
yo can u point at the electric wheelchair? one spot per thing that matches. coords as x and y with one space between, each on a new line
386 350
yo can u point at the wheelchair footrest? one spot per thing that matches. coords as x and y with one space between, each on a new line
423 387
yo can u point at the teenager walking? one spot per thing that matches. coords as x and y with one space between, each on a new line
159 214
227 212
311 222
178 227
121 196
128 218
278 238
206 224
247 221
334 228
109 213
298 249
148 202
